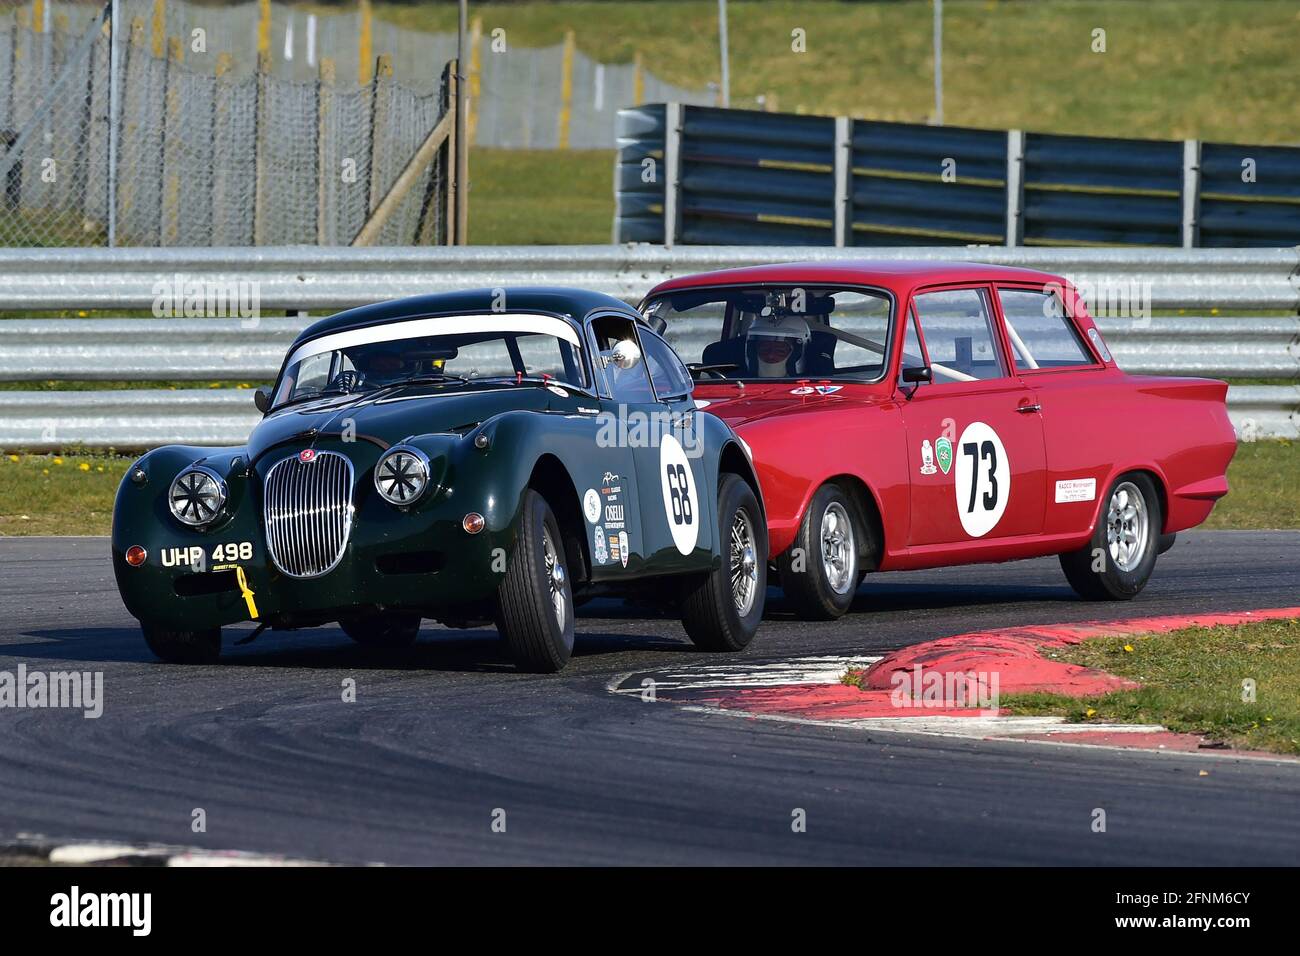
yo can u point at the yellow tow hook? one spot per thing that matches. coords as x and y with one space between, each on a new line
244 589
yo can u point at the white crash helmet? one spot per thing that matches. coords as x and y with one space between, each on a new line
775 345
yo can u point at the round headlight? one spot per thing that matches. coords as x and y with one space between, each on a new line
197 496
402 475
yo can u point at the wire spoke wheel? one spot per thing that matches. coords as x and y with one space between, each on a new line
555 579
744 563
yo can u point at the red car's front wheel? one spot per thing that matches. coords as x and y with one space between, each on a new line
819 572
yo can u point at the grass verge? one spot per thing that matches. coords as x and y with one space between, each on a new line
1264 479
541 197
1196 680
73 493
59 494
1171 68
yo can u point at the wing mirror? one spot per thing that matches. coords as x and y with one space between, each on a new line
262 399
625 354
918 374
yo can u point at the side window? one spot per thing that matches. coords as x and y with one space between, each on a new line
958 329
670 378
630 385
690 331
314 373
1042 335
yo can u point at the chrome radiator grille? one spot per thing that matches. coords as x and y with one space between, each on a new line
308 512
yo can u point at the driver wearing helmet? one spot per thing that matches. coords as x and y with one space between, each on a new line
776 345
382 366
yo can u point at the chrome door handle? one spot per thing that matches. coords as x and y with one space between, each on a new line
1029 408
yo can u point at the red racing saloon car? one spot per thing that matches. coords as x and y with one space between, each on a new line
908 415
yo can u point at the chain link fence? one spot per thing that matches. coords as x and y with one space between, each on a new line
125 137
262 124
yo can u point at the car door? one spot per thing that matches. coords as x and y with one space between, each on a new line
974 432
611 503
1077 397
687 506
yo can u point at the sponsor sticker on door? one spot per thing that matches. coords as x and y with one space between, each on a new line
943 454
1076 489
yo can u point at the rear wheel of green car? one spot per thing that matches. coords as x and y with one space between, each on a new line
535 599
183 647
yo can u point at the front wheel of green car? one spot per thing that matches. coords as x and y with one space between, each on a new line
535 599
184 647
722 610
390 629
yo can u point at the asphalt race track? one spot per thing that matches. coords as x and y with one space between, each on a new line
442 735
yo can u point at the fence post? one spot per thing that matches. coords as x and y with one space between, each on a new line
264 28
1191 193
158 27
220 134
172 137
843 181
673 118
261 136
364 55
381 134
451 171
566 89
132 108
1015 187
114 120
324 172
475 68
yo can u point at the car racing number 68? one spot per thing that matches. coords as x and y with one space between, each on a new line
681 504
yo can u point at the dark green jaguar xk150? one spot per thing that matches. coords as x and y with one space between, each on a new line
471 457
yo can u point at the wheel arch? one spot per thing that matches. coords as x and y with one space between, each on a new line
1157 479
550 479
869 512
733 460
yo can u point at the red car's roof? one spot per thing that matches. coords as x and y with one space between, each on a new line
898 275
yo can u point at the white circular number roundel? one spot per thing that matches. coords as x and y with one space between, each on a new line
983 482
681 506
591 505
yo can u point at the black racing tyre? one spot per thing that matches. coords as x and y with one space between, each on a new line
535 599
390 629
1117 562
183 647
721 610
819 571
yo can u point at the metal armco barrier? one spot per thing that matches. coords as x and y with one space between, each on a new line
323 280
311 279
698 175
226 349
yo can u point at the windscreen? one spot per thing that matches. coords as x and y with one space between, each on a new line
778 332
454 354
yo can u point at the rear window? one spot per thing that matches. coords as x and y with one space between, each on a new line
1042 335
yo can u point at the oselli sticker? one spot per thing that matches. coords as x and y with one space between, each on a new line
612 536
